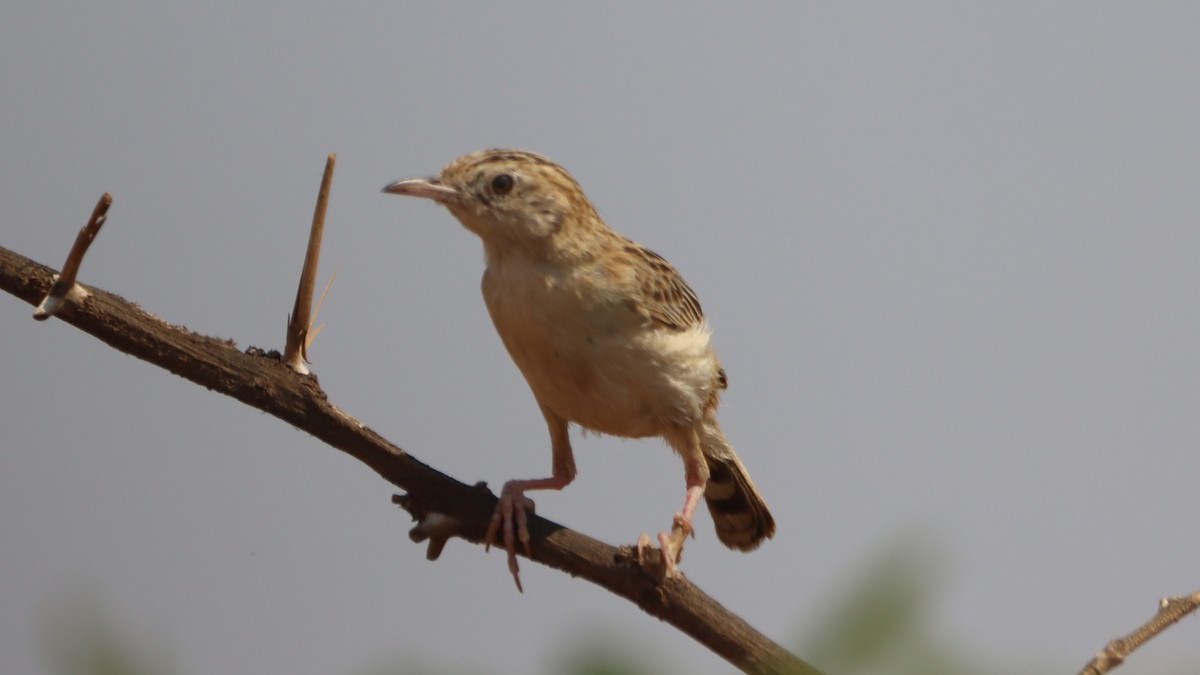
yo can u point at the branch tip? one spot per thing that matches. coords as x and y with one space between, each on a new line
1170 611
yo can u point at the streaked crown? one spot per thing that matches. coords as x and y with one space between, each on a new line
514 196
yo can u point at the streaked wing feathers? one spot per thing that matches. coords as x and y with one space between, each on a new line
665 297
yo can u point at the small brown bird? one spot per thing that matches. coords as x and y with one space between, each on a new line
607 334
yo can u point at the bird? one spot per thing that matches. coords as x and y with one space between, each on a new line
608 336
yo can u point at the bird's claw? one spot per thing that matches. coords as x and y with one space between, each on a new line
513 506
643 553
665 558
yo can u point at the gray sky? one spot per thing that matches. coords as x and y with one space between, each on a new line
948 251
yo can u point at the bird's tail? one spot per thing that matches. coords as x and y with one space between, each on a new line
741 515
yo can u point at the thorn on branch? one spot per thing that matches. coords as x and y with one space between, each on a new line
295 353
64 287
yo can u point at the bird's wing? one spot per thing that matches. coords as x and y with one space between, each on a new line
664 297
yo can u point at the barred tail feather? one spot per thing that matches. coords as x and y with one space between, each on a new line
738 510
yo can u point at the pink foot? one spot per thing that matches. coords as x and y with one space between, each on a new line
672 544
652 558
643 548
513 502
670 547
670 555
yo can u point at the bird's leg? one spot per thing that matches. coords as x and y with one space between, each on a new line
511 514
681 527
695 469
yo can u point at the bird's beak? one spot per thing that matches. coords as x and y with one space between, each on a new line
429 188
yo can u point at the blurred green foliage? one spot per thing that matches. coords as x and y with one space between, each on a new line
880 622
78 635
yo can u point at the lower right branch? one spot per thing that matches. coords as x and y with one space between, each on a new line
1170 610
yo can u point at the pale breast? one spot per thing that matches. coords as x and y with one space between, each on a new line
593 360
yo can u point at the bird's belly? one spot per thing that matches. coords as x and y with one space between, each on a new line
593 360
633 386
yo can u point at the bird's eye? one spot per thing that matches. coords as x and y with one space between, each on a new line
502 184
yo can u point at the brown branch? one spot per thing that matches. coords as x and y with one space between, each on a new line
1170 610
441 504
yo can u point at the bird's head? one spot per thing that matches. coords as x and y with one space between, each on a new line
508 198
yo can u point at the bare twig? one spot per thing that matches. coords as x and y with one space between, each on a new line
267 384
295 353
64 283
1170 610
